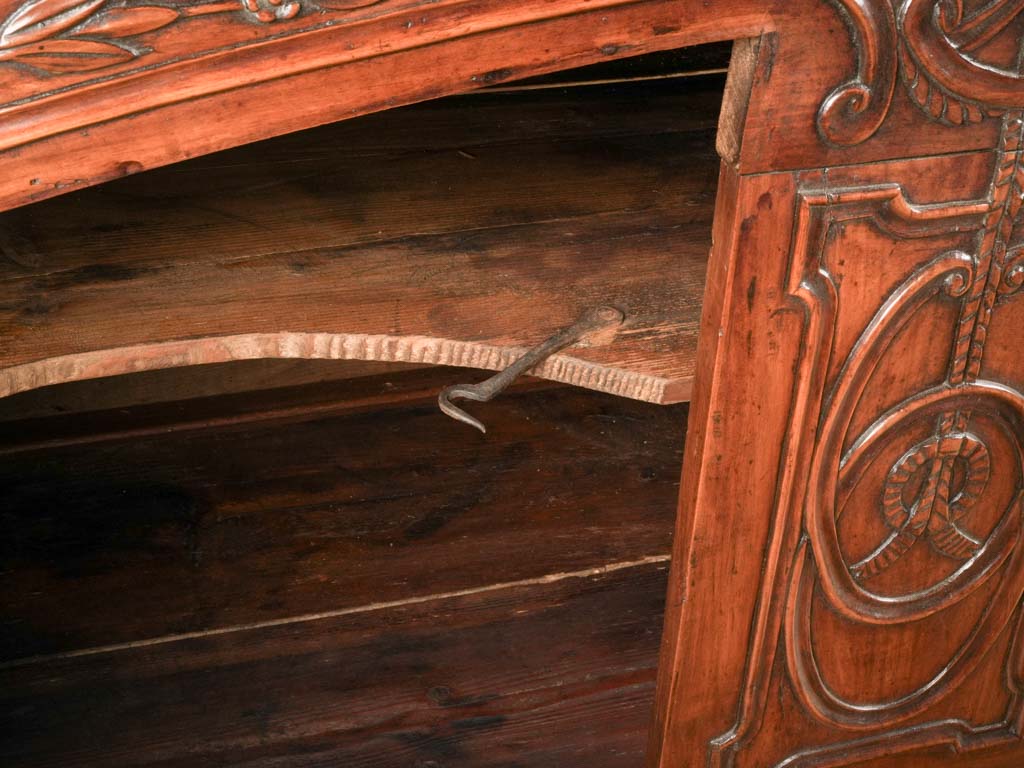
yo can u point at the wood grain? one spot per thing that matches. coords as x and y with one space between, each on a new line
221 74
373 585
294 250
177 384
933 665
329 499
542 675
480 49
849 560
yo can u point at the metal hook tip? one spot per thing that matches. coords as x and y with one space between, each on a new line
598 319
450 409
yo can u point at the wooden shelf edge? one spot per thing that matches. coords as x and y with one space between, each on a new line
381 241
383 348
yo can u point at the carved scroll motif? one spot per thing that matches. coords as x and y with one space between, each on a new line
856 109
952 468
949 440
936 47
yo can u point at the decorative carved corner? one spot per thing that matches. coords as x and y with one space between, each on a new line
855 110
938 48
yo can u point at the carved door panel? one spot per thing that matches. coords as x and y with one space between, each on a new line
849 562
898 603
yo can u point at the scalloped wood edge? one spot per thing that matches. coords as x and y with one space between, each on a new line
335 346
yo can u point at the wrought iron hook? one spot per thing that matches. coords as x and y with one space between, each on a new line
594 320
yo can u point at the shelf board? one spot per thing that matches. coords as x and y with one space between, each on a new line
458 232
355 570
368 497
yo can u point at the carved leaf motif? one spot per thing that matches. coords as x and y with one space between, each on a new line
72 55
42 19
125 22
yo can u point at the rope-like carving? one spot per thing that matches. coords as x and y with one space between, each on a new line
931 491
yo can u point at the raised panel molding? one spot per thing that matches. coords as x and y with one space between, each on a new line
952 452
952 480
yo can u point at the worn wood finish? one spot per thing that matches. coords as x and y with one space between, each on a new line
478 49
548 674
880 622
848 568
130 414
134 81
420 236
374 496
188 383
304 611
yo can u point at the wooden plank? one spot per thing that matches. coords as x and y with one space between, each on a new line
343 70
243 377
220 81
392 387
801 422
543 675
443 166
270 514
309 250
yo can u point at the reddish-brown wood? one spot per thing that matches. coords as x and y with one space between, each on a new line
848 568
886 615
139 100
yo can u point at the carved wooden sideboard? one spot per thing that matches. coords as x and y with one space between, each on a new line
848 568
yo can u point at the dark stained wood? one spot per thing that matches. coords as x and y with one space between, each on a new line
676 64
388 388
452 165
369 585
546 675
387 240
73 235
175 384
209 514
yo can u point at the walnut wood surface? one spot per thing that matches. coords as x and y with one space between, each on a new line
431 235
540 675
151 87
848 567
371 516
921 655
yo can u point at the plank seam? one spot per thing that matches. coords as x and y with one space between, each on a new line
551 578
